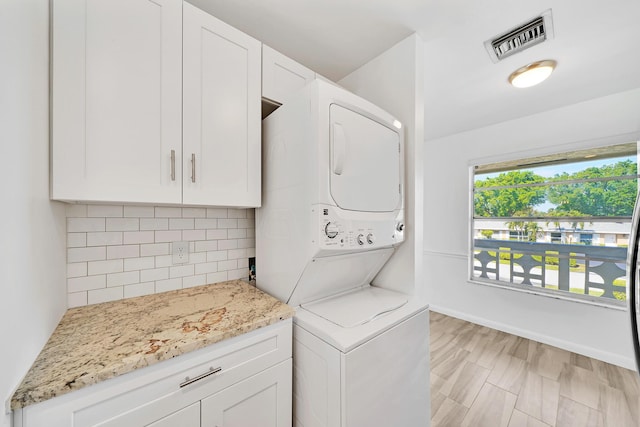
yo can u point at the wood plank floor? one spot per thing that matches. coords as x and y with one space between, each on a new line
481 377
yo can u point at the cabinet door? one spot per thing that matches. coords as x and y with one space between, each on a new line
221 107
116 107
187 417
262 400
282 76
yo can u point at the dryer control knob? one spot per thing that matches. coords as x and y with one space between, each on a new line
360 239
370 239
331 230
400 226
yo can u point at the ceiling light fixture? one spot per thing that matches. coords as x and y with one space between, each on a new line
532 74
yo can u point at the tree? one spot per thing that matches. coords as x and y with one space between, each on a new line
508 202
598 198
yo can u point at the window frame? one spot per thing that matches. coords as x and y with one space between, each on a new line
523 156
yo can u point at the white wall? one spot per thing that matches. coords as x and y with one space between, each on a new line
32 253
395 82
594 331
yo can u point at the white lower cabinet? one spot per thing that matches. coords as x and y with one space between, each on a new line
245 381
263 400
187 417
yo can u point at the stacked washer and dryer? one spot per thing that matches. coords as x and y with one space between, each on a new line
332 215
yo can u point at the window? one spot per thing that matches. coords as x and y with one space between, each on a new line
559 224
586 238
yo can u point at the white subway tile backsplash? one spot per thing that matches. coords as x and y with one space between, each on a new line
197 257
139 289
104 267
155 274
206 223
105 211
219 276
154 224
194 212
139 212
104 295
231 264
237 254
126 278
207 267
236 213
105 238
168 236
228 244
76 269
86 283
168 285
228 223
181 271
76 240
181 223
237 233
216 213
143 263
85 224
76 211
241 273
154 249
216 234
246 223
86 254
123 251
76 299
137 237
123 224
191 281
164 212
116 252
206 246
246 243
217 256
190 235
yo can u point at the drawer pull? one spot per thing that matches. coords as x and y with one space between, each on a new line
188 381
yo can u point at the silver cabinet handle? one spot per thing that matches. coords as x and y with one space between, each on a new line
173 165
187 381
193 167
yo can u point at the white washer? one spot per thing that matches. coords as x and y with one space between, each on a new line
331 217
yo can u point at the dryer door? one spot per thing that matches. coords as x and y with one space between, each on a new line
365 162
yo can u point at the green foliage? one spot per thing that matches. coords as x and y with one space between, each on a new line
614 197
509 201
602 198
487 234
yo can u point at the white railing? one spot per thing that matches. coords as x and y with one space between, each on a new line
590 270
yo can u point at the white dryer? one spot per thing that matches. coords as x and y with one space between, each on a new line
331 216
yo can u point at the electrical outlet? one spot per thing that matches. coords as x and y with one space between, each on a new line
180 252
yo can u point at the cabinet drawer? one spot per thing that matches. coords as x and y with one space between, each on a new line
145 395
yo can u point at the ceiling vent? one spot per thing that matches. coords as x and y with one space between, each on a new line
521 37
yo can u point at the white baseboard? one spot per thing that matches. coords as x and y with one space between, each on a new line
615 359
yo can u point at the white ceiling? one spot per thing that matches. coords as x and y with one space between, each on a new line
594 44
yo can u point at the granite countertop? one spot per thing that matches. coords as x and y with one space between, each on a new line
98 342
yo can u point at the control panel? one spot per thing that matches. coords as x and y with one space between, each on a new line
354 231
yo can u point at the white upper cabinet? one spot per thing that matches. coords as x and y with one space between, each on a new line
116 107
153 102
282 76
221 113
